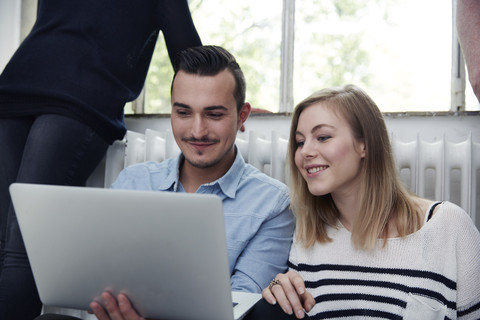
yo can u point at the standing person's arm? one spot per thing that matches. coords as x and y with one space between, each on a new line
177 27
468 28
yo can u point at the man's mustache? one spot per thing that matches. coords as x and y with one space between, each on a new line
201 140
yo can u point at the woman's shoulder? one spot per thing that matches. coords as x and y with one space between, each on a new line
450 214
430 208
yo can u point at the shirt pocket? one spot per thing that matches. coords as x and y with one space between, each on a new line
423 308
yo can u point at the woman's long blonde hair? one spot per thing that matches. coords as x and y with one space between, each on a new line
383 197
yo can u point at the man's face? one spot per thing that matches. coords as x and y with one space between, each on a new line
205 118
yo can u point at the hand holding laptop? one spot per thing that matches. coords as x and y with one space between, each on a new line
116 309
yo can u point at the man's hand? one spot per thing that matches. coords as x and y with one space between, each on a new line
115 309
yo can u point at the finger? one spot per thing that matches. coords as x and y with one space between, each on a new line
268 295
281 297
98 310
112 306
126 308
297 293
286 295
308 301
297 281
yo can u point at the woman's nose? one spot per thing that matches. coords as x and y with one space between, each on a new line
308 150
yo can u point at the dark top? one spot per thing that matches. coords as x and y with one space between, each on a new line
86 58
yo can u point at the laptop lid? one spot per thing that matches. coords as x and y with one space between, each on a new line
166 251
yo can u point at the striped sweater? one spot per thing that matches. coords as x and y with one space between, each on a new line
433 273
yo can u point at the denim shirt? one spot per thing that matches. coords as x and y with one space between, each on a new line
258 222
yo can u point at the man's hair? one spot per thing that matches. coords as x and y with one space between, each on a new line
210 61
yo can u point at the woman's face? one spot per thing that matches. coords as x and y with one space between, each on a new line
327 155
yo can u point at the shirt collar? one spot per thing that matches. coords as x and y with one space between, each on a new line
170 181
230 180
228 183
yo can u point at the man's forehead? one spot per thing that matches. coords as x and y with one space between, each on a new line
191 88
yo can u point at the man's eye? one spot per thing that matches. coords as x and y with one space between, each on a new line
182 112
215 115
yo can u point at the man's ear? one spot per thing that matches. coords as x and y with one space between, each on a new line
243 115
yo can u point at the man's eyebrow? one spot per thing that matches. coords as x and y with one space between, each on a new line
211 108
181 105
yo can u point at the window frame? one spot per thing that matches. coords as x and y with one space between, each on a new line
458 70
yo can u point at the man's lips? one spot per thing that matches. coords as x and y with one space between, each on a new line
200 144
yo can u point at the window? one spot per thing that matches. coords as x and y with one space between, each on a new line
250 29
385 47
399 51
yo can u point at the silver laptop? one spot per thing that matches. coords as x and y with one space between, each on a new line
166 251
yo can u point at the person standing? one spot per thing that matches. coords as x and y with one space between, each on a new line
62 98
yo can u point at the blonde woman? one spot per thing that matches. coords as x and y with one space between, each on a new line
365 247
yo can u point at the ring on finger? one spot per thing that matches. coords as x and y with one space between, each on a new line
273 283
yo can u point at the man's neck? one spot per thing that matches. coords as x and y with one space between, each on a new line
192 177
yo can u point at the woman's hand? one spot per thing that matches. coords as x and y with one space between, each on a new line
288 289
115 309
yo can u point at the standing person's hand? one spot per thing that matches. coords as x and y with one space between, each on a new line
288 289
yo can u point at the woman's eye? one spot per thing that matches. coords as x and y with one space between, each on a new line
323 138
300 144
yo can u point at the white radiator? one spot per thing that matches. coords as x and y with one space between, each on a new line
439 170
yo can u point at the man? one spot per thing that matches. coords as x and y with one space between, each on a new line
208 108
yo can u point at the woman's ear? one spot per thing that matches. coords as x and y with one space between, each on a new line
361 149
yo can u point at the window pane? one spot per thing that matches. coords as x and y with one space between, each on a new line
249 29
159 78
399 51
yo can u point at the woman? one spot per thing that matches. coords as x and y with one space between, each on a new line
364 245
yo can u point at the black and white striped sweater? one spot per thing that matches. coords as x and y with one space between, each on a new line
433 273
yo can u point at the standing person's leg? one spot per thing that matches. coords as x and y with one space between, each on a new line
59 150
13 135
